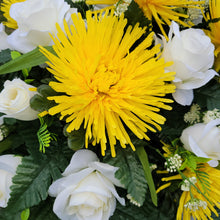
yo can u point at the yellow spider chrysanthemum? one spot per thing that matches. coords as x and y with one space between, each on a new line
5 8
161 10
205 201
107 86
214 33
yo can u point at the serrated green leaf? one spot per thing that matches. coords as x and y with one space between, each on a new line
32 180
130 173
5 56
208 96
147 171
4 215
28 60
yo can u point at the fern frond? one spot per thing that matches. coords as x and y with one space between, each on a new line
44 136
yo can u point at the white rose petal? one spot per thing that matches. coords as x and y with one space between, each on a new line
3 39
15 100
86 191
35 20
8 166
203 140
193 55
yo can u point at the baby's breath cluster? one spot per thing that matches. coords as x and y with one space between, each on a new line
195 14
153 167
193 116
194 204
187 183
133 201
121 7
4 131
173 163
211 115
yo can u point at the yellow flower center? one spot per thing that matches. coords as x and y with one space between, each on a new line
104 79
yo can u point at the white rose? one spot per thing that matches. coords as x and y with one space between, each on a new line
8 166
15 101
203 140
35 20
193 55
86 191
3 39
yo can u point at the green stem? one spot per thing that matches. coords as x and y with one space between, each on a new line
147 171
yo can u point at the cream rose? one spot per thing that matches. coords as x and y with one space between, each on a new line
192 54
8 166
15 101
86 191
35 20
203 140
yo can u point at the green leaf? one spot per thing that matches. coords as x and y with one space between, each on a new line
43 211
166 209
129 212
75 139
25 214
130 173
46 90
5 56
28 60
208 96
4 215
40 102
15 54
32 180
147 171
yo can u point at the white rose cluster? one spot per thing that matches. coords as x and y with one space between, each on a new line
15 101
86 191
8 166
35 20
203 140
192 54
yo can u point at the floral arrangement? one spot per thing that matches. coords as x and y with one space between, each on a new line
109 109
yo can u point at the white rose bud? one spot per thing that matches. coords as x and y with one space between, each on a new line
203 140
86 191
8 166
35 20
193 55
15 101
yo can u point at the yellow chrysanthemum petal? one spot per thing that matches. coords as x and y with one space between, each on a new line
161 10
212 195
107 87
214 33
5 8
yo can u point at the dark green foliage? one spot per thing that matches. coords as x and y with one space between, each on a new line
208 96
130 172
5 56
